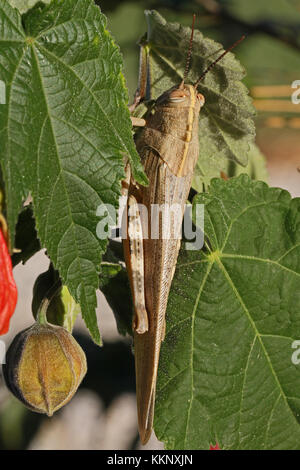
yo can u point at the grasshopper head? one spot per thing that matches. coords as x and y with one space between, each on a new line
181 96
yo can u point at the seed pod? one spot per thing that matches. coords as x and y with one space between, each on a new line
44 367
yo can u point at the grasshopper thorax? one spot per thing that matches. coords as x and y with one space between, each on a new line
172 129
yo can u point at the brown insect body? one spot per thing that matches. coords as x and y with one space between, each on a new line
172 130
168 146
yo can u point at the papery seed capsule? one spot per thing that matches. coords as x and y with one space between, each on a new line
44 367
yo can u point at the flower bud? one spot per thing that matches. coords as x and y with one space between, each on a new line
44 367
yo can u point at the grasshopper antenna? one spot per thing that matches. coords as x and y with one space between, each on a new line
189 54
218 59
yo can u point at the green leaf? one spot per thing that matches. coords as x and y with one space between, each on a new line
207 169
108 271
255 168
226 126
62 309
226 372
64 132
71 309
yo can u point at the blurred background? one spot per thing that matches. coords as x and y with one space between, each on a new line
102 415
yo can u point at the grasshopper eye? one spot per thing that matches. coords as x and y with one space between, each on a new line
177 96
201 99
177 100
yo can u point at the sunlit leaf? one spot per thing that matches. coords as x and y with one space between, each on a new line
226 373
64 132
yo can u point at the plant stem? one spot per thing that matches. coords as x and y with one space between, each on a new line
43 308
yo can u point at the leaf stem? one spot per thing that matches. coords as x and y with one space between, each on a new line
43 308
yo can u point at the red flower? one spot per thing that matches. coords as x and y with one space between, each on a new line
216 447
8 288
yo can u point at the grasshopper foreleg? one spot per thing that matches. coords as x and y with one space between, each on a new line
137 122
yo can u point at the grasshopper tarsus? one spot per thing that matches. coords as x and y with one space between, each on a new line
137 122
140 322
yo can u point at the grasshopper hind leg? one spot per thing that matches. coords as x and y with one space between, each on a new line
135 234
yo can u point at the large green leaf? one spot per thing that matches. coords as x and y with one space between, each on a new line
226 372
255 168
64 132
226 125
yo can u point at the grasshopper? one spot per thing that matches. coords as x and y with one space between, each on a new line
168 145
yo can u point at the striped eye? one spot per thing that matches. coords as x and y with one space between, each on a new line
177 96
201 99
177 100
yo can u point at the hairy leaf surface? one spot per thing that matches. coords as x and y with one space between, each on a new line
64 131
227 372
